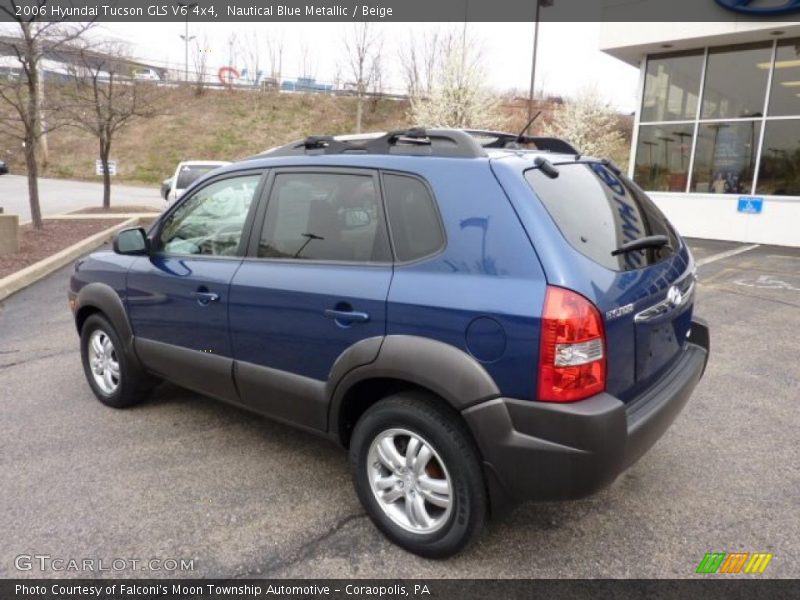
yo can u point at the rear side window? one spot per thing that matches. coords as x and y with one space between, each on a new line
598 211
325 217
413 219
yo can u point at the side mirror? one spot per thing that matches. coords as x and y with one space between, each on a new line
132 241
166 186
353 218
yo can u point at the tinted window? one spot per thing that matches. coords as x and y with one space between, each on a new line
210 221
672 86
416 231
780 159
662 157
598 211
325 216
191 173
725 157
784 99
736 82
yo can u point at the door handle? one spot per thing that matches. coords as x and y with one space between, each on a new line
346 316
204 298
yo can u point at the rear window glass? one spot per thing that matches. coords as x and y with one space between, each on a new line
413 220
189 174
598 211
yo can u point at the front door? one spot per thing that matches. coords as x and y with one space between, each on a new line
314 284
178 296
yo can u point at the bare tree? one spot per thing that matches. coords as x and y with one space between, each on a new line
234 45
455 92
364 51
419 60
251 51
200 63
23 95
102 99
308 68
275 56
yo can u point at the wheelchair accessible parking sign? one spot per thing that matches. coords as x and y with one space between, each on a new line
751 205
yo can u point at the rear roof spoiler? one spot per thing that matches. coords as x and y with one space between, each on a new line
503 139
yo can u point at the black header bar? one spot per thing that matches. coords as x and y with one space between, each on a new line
402 10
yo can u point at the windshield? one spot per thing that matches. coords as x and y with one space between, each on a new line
598 211
191 173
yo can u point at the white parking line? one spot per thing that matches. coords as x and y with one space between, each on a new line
726 254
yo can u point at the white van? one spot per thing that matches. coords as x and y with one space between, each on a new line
188 172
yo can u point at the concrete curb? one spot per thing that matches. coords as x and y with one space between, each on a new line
33 273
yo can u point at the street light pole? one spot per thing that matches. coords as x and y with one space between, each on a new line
539 5
186 39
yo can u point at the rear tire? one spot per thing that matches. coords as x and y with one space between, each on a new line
418 474
108 371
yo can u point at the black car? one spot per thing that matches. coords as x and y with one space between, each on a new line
3 168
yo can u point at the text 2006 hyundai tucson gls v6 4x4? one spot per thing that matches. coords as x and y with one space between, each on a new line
474 322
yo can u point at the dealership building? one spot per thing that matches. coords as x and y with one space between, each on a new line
716 140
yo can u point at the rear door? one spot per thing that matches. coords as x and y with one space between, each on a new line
646 295
314 284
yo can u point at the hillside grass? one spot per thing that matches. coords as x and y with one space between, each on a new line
230 125
217 125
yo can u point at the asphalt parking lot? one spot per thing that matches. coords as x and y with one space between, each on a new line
185 477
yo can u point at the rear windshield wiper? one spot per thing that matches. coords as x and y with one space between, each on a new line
652 241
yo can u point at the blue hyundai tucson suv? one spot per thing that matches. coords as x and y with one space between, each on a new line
479 318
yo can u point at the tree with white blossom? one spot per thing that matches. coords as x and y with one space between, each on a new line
591 125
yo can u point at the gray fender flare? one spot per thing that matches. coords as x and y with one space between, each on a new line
105 299
444 369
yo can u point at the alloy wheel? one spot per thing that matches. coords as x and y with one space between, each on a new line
410 481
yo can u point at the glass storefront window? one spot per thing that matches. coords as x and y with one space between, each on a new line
722 146
662 157
736 82
672 85
785 97
725 157
779 173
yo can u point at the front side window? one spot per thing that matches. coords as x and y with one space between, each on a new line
725 157
210 222
325 217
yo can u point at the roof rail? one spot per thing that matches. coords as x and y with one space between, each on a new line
502 139
415 141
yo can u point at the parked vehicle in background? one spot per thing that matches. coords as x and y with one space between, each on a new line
146 74
166 185
477 324
188 172
3 168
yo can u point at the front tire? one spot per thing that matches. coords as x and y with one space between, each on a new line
418 475
108 371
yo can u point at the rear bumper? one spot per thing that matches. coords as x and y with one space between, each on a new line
542 451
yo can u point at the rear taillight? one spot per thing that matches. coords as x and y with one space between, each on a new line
572 363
